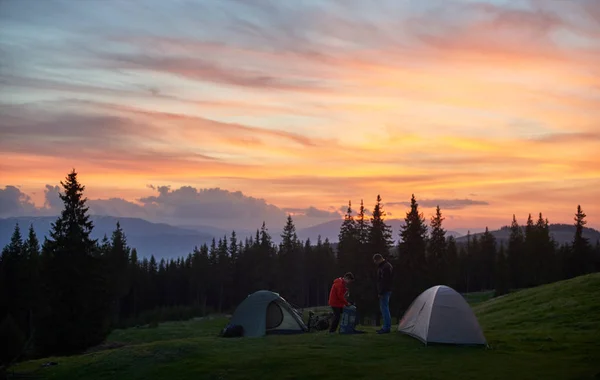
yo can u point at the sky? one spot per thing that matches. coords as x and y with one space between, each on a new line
231 112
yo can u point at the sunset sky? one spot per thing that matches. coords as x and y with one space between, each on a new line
170 109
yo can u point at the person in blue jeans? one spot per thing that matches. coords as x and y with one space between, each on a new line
384 290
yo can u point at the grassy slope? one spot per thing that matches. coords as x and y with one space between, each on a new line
548 332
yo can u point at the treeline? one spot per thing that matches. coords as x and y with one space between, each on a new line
66 294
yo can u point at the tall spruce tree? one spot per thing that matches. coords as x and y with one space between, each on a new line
581 261
452 266
77 306
379 241
412 272
485 259
437 249
348 245
13 267
290 263
516 262
543 255
362 226
117 264
31 278
528 256
501 272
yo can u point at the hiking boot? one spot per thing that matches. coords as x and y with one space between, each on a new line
383 331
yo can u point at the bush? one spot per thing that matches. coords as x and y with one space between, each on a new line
12 338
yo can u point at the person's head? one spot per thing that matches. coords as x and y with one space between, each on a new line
377 258
348 277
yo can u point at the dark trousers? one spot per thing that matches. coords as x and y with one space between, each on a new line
337 312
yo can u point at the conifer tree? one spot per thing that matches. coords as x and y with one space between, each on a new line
515 254
581 249
290 263
528 249
380 234
485 260
31 279
452 268
76 303
348 243
117 263
437 249
412 276
543 255
379 240
12 268
362 226
501 272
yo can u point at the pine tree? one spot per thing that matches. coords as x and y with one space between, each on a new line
291 264
501 272
223 272
437 249
528 249
452 266
581 249
380 234
12 268
117 264
516 262
412 265
348 245
380 241
234 253
77 304
362 225
543 254
485 260
31 278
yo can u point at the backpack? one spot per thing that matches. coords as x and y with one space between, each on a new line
349 320
232 331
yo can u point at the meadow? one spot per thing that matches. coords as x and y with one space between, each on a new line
548 332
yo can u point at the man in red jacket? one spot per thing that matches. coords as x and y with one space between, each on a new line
337 298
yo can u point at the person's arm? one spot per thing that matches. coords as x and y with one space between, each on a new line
342 294
383 283
387 279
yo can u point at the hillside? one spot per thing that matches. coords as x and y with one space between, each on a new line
562 233
148 238
541 333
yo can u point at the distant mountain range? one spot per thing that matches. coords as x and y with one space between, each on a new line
164 240
161 240
331 230
562 233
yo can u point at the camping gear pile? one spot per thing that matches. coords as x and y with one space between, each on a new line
319 322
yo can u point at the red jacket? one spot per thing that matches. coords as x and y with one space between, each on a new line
337 292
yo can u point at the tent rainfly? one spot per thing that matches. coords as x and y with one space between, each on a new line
441 315
265 312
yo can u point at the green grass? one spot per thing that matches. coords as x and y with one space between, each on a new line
476 298
550 332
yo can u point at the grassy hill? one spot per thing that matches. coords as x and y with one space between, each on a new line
550 332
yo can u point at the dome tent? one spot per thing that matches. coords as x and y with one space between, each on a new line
441 315
265 312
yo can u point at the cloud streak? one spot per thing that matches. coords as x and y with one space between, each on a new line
306 104
448 204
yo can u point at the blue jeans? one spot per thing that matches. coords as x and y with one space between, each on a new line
384 306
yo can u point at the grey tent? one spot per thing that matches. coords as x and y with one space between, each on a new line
265 312
441 315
